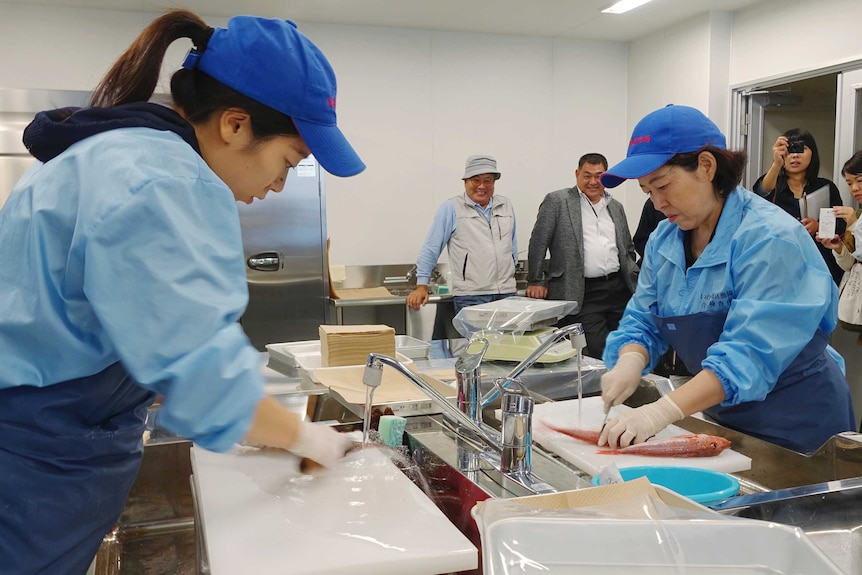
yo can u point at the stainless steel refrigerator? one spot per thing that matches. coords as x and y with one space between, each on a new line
284 235
284 239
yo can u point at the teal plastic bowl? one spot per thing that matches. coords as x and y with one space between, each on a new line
701 485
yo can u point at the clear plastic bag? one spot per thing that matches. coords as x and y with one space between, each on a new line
512 315
640 533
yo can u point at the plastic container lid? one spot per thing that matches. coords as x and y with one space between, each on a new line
701 485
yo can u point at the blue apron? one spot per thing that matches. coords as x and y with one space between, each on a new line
809 403
69 454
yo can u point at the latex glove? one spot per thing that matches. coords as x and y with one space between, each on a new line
320 443
638 425
619 383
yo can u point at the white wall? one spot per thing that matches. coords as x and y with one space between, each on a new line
827 32
685 64
414 103
417 103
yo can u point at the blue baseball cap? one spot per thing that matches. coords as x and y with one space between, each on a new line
272 62
661 135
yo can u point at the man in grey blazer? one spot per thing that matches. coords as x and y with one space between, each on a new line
593 260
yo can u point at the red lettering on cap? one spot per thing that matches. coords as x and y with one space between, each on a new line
639 140
330 102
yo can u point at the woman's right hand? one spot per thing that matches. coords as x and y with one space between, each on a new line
779 151
320 443
418 297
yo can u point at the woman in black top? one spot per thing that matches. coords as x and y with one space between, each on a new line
795 165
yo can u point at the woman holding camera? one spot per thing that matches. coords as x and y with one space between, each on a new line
794 173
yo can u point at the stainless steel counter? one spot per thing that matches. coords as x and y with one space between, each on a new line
820 493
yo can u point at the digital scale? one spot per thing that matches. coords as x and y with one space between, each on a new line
517 326
512 347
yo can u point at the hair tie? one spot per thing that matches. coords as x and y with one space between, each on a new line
199 44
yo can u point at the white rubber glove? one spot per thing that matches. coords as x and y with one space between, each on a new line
320 443
619 383
638 425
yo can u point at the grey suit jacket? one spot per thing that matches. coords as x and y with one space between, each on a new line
558 229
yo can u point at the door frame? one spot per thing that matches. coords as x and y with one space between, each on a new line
747 117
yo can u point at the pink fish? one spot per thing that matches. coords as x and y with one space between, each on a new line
588 435
694 445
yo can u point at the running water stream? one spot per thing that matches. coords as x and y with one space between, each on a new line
366 423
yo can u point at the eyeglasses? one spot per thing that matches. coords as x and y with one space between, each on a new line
477 181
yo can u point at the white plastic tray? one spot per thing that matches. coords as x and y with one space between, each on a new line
290 353
563 546
310 365
412 347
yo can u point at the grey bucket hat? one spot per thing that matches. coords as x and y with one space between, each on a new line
477 165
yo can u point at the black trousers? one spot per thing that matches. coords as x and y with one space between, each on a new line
605 300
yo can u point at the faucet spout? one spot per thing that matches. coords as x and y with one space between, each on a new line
575 330
510 453
373 372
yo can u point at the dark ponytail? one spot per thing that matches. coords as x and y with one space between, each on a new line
134 76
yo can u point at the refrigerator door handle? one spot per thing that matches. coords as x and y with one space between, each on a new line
265 262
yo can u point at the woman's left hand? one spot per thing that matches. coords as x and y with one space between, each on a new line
638 425
846 213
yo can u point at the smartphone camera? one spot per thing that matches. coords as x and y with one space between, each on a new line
795 146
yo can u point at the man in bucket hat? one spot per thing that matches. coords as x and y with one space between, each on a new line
478 227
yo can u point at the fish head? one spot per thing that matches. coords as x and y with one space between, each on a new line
715 443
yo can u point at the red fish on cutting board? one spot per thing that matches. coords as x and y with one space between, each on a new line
694 445
588 435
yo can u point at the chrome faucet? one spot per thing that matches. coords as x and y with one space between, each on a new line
509 450
373 374
468 374
579 342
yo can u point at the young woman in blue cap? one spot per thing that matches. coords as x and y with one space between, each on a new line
122 275
736 286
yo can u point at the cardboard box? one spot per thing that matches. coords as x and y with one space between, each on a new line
342 345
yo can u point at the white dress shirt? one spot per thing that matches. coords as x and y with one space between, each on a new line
601 256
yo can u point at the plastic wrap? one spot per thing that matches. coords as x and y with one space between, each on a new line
638 533
512 315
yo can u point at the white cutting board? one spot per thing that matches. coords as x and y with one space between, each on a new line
363 517
584 456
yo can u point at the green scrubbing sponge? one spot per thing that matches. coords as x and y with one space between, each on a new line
391 428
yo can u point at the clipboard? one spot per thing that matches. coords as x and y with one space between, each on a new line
810 204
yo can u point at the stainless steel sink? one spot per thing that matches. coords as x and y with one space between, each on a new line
155 533
830 514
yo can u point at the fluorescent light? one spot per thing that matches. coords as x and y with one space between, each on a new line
624 6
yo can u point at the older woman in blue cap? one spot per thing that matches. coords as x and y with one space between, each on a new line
122 275
736 287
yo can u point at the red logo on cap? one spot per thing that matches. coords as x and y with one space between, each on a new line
639 140
330 102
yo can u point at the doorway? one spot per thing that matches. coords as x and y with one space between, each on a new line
828 103
809 103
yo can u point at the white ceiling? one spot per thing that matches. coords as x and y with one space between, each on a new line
555 18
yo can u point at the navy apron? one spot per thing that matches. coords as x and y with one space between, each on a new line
69 454
809 403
